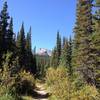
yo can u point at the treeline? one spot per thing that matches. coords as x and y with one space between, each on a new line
62 53
18 67
81 54
75 62
20 45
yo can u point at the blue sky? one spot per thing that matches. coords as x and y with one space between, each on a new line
45 17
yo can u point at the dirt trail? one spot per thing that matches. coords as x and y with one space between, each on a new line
42 93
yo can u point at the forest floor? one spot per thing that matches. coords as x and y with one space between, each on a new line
40 93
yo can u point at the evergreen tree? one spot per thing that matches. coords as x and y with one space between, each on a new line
17 39
21 47
83 30
69 57
64 53
64 40
34 68
4 16
95 44
28 41
10 37
28 51
58 48
4 25
31 60
56 54
1 37
54 59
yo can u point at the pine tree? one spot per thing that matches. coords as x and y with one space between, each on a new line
69 57
17 39
34 61
0 41
28 51
4 16
21 47
31 60
10 37
56 54
64 40
28 41
53 61
83 30
95 44
64 53
58 47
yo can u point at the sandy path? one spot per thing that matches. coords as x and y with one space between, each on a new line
42 92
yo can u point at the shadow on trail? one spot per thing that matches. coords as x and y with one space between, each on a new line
37 95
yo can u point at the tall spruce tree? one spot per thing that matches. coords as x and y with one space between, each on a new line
4 16
21 47
28 41
56 54
64 53
64 40
28 50
10 37
83 30
95 44
31 60
54 60
34 62
69 57
58 48
17 39
0 39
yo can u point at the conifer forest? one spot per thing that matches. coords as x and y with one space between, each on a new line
71 72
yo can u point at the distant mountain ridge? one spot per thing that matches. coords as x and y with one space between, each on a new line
44 52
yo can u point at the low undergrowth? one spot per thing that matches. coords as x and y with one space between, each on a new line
63 87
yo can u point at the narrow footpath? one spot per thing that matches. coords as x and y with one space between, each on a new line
41 92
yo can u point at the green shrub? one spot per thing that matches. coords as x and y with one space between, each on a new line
6 81
52 75
6 97
64 88
5 93
25 83
86 93
16 84
59 83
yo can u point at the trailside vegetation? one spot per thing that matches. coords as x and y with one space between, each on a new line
72 72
